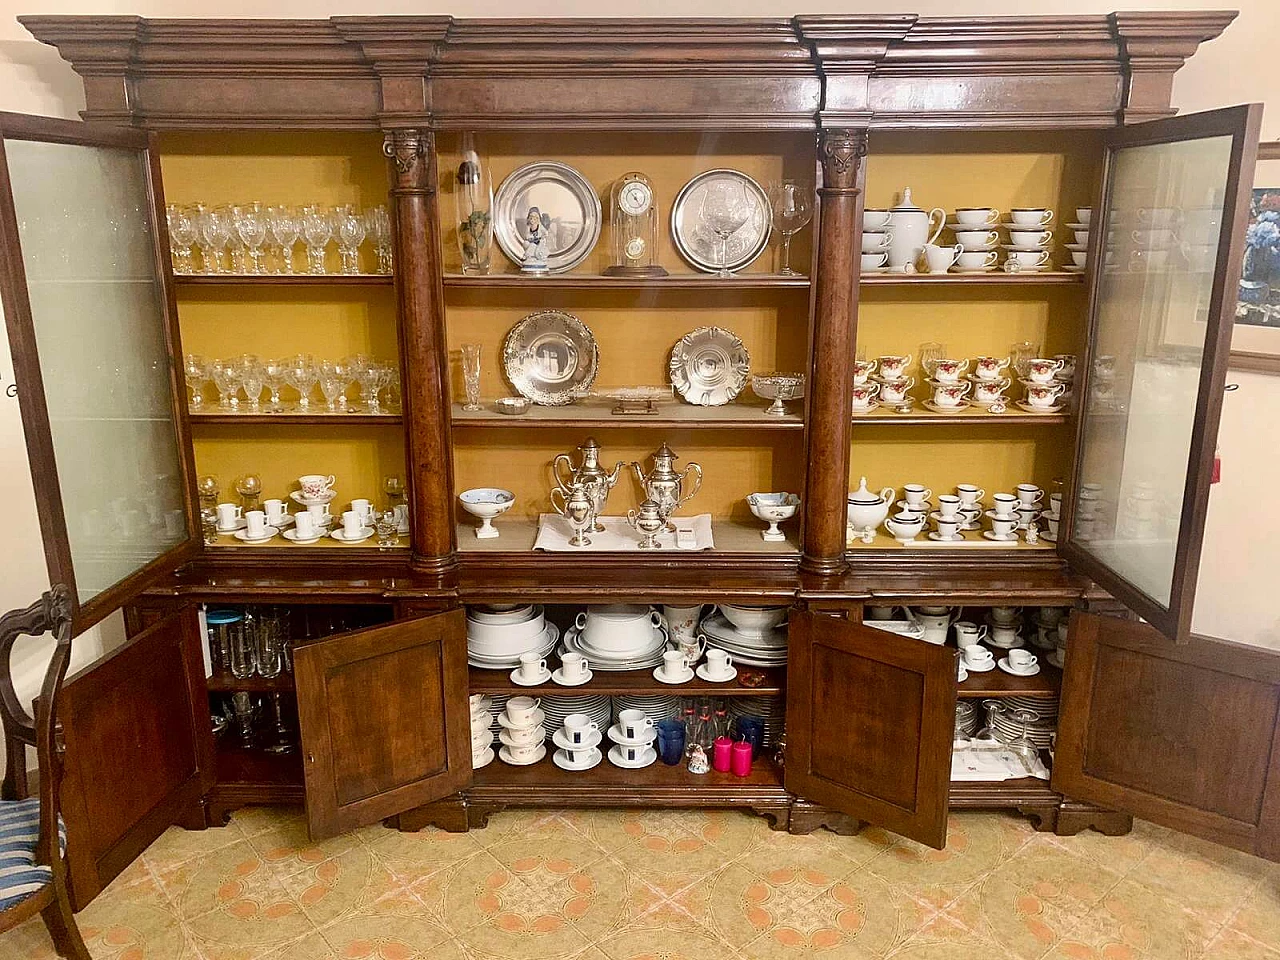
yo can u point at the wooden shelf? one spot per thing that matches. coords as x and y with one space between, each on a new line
602 780
596 414
923 417
586 281
283 280
973 543
228 544
237 765
1024 792
629 682
997 683
291 419
224 682
994 278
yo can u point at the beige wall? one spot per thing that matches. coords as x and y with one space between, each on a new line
1241 560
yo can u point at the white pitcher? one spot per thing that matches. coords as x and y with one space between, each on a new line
912 228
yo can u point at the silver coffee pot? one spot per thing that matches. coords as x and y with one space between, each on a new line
578 508
598 481
666 487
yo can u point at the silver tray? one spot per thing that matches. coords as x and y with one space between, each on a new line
550 357
695 240
559 192
709 366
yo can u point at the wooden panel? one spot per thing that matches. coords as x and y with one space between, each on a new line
1179 735
383 717
870 718
139 752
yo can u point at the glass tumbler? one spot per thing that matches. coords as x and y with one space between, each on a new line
471 375
224 626
242 651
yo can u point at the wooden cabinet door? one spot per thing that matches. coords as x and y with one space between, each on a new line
1186 735
139 751
384 720
870 723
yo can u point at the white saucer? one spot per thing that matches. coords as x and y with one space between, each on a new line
615 734
884 269
558 677
297 497
962 271
564 743
1046 535
660 675
962 405
1076 247
1078 226
991 535
293 535
1056 408
561 759
858 413
267 534
1055 659
935 535
341 536
505 755
505 738
705 675
647 757
521 682
1004 665
240 524
534 721
1072 268
1026 227
963 674
924 506
991 665
482 759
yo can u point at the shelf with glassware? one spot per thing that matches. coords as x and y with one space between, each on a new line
596 282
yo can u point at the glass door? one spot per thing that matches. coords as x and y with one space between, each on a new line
1165 262
87 301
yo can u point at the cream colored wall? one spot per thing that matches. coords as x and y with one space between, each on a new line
1240 558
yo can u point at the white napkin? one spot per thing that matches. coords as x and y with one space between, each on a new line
554 534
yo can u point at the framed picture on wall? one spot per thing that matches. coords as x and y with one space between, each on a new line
1255 341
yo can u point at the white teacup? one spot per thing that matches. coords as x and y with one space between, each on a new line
976 216
1026 260
1004 614
1003 527
1004 504
874 260
520 710
916 494
875 218
634 724
573 665
276 511
989 368
1084 215
304 526
976 655
1030 239
352 524
941 259
862 370
969 633
1022 659
523 751
319 513
947 370
1081 237
989 391
228 514
1029 493
970 493
876 241
1044 394
632 752
951 394
314 485
526 735
1042 369
863 394
894 367
949 505
1031 216
255 524
578 727
364 508
532 667
1004 635
977 240
977 259
719 663
948 527
675 665
1080 258
895 391
1052 521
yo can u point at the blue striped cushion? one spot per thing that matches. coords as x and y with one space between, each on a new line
19 830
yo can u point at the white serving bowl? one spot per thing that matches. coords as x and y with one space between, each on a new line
754 621
618 628
507 614
501 639
486 503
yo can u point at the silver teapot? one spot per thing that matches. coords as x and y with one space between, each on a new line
666 487
578 508
598 481
648 520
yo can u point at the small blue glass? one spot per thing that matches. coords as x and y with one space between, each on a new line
671 741
751 729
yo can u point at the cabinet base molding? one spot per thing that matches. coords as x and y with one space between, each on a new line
807 817
226 798
1076 815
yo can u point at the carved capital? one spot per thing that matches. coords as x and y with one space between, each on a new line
408 150
841 151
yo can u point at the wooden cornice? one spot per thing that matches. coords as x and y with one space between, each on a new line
875 71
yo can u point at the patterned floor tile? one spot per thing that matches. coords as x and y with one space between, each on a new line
526 824
413 856
944 938
176 845
1233 945
1259 917
663 852
1210 879
287 848
1118 854
1133 923
664 935
391 929
341 886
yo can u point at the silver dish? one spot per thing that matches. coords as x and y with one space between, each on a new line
550 357
559 192
696 241
709 366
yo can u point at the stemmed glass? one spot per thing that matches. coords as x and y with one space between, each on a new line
334 377
988 731
285 227
792 203
471 375
725 208
215 231
930 353
1024 747
196 372
300 373
251 228
317 230
372 378
393 488
182 234
273 372
243 707
227 380
251 380
378 223
349 227
1020 353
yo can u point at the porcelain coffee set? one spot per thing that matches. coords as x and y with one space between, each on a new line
1002 629
313 520
956 513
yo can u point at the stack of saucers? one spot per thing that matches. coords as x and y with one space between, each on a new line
598 707
772 710
482 719
655 706
633 737
753 636
618 637
498 636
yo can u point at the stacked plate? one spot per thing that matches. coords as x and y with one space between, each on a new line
498 637
497 702
773 710
622 638
598 707
655 706
1008 729
968 719
767 648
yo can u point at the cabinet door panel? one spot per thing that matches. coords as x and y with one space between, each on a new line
870 721
139 752
1185 736
384 720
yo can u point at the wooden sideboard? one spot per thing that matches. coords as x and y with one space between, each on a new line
1012 112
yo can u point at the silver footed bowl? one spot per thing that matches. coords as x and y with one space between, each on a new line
778 387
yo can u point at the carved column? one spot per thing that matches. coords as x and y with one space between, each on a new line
831 342
424 356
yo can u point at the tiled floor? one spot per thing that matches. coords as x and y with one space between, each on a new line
609 885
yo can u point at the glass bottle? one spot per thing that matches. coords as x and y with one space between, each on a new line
473 202
704 730
721 720
689 717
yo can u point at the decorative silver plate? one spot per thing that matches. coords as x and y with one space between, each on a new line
550 357
560 193
709 366
693 235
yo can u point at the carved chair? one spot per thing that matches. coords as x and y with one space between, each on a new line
33 839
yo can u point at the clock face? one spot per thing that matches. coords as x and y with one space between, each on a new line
635 197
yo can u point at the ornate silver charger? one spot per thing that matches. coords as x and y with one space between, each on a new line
561 194
691 221
709 366
550 357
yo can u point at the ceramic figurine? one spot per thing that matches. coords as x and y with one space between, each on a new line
698 760
536 227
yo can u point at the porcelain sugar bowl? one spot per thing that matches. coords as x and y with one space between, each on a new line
867 510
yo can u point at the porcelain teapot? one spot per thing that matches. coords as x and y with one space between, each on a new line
912 228
935 621
867 510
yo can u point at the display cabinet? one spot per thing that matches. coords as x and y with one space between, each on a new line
357 705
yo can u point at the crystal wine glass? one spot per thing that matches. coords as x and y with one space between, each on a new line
317 231
471 375
725 208
273 372
182 234
284 224
930 353
372 378
215 231
1020 353
252 380
988 730
250 489
393 489
1024 746
251 228
207 490
378 223
334 377
244 709
300 373
196 372
349 227
792 203
226 379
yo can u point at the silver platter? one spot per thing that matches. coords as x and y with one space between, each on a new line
693 236
559 192
550 357
709 366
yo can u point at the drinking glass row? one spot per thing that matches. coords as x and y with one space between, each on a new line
377 380
253 238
